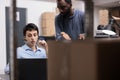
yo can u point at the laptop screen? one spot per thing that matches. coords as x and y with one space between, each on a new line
32 69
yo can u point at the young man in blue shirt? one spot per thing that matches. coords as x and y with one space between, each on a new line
69 23
32 47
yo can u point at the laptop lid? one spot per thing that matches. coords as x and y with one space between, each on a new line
32 69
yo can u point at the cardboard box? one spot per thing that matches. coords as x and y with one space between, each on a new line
48 26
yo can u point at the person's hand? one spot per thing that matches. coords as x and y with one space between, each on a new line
81 36
65 36
43 44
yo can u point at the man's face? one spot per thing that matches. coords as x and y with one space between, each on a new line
64 7
31 37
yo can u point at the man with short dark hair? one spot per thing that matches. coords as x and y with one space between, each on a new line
31 48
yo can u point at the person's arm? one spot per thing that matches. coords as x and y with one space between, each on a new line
58 28
65 36
20 52
82 36
43 44
82 27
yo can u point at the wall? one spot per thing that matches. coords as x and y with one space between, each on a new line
3 37
96 18
35 9
79 5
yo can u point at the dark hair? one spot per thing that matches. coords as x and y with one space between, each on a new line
30 27
68 1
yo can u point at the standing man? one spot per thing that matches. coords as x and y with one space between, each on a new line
69 23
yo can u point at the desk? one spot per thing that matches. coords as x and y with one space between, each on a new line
94 59
4 77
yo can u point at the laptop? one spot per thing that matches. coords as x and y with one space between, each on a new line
32 69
